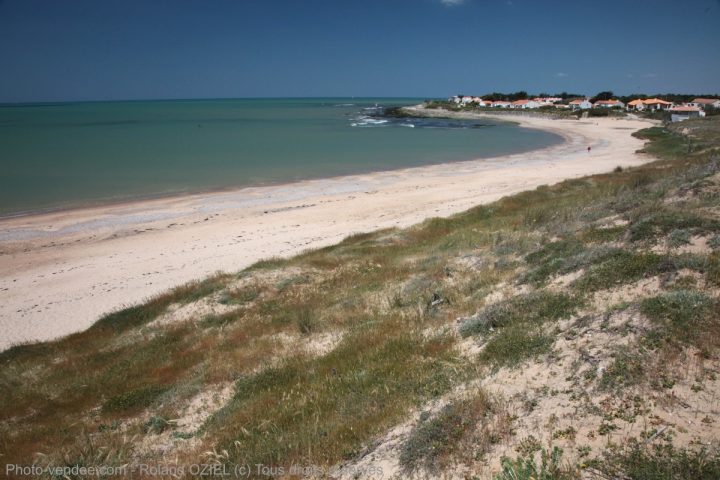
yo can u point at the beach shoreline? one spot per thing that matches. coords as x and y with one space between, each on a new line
64 269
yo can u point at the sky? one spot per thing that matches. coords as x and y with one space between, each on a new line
75 50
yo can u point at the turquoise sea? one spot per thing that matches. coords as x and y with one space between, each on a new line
73 154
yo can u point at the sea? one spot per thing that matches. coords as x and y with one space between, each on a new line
66 155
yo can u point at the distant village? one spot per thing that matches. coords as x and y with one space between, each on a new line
679 111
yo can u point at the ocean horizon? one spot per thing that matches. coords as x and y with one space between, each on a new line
64 155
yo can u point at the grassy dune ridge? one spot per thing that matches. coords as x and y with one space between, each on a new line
311 360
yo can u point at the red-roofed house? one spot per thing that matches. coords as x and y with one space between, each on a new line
685 112
705 102
609 104
656 104
636 104
525 104
580 103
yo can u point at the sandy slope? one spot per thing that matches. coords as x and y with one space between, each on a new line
59 272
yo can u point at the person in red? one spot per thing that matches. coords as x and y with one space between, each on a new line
589 148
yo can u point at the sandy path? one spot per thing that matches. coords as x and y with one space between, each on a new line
59 272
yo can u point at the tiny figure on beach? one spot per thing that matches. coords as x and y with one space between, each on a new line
589 148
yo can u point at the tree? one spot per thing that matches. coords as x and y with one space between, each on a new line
603 96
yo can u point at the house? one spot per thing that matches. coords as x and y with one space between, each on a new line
454 99
501 104
656 104
581 104
524 104
485 103
705 102
609 104
637 104
685 112
466 100
543 101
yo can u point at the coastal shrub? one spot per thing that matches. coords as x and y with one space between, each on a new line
679 237
554 251
660 461
131 317
214 320
685 316
664 222
602 235
662 142
621 267
142 314
515 344
134 399
534 308
527 468
432 440
305 321
336 402
626 369
568 260
712 274
240 295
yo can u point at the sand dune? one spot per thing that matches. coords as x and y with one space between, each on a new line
60 272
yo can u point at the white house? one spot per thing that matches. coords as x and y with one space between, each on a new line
705 102
636 104
581 103
501 104
525 104
685 112
656 104
609 104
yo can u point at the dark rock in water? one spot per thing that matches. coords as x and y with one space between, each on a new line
395 112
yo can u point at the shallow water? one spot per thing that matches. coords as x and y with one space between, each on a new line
66 155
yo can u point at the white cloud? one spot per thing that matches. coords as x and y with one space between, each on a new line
452 3
561 74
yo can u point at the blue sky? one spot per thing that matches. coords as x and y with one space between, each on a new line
60 50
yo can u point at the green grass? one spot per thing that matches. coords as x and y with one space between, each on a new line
621 267
661 461
134 399
515 344
659 223
549 467
627 369
685 316
455 428
533 308
323 409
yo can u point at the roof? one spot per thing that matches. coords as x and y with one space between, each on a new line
684 108
608 102
706 101
578 101
520 102
652 101
637 101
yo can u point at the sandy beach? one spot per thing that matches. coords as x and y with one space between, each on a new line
59 272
